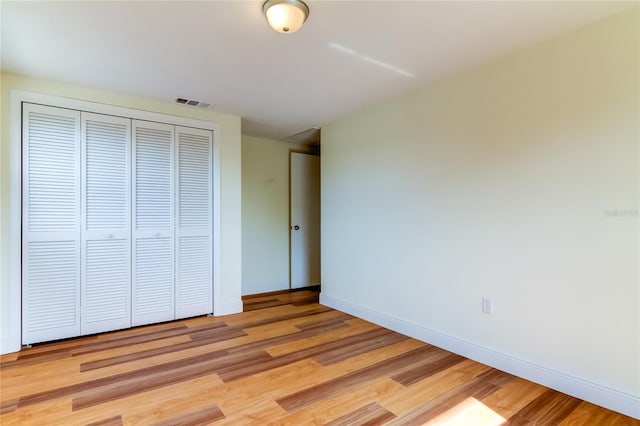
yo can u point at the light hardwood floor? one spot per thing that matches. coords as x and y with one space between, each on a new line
287 361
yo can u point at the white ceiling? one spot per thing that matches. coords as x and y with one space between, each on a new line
348 55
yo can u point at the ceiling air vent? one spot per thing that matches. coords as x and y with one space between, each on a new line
192 102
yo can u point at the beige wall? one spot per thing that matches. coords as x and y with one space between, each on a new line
230 176
516 180
265 214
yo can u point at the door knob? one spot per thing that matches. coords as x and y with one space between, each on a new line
295 228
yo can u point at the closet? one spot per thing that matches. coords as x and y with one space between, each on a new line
117 222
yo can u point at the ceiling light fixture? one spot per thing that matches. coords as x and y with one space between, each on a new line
285 16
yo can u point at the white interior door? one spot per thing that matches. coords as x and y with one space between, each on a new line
194 257
50 223
153 219
305 220
106 229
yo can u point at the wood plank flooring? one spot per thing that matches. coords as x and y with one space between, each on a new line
283 297
286 361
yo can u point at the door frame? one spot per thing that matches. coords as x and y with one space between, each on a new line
12 342
293 151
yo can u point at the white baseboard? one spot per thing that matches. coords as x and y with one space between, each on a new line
612 399
228 308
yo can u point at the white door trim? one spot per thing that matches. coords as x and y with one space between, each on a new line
12 341
304 237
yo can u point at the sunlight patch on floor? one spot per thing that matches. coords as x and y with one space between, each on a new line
469 412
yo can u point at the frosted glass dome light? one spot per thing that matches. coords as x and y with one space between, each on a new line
285 16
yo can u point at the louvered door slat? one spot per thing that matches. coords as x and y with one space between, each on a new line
106 285
51 223
194 286
154 279
153 276
106 216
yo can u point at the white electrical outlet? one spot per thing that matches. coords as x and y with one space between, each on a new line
487 305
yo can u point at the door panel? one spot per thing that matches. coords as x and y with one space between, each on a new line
305 220
106 217
51 223
153 263
194 284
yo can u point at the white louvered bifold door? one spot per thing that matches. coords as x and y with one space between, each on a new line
194 286
51 223
153 220
106 229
